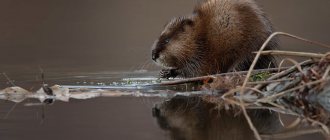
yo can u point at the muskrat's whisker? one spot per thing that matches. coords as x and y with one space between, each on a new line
145 65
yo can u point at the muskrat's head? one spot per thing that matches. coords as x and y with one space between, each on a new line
176 45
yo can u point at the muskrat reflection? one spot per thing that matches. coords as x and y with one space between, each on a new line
194 118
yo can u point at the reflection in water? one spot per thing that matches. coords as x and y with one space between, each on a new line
194 118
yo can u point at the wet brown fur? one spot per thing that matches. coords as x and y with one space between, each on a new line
218 37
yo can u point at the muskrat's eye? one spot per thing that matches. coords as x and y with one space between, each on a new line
167 40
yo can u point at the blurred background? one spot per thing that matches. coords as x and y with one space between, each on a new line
116 35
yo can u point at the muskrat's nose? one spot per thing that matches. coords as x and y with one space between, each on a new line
155 55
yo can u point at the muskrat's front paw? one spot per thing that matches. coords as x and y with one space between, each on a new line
168 73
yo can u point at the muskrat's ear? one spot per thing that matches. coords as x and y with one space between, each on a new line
188 22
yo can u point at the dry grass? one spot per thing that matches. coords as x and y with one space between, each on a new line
301 81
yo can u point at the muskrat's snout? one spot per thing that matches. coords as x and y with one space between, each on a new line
157 52
154 55
160 56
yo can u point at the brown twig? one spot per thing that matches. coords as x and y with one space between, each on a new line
269 81
291 53
290 70
275 109
294 124
293 133
269 98
296 64
248 119
201 78
323 126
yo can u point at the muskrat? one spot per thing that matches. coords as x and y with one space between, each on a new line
220 36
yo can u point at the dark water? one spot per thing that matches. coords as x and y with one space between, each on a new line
71 37
100 118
